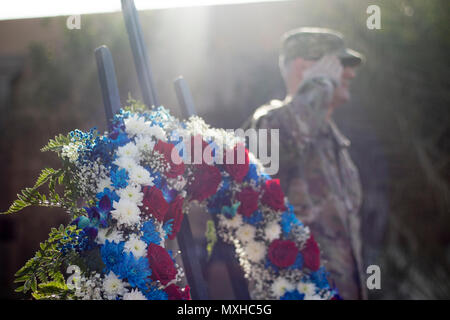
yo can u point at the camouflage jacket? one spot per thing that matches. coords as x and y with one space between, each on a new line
319 178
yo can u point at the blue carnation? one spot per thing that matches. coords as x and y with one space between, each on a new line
319 278
112 195
289 220
155 294
254 218
112 255
136 271
167 227
119 178
298 264
293 295
151 235
252 173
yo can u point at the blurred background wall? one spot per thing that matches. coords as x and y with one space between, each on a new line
398 120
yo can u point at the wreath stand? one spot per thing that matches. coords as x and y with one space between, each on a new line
192 255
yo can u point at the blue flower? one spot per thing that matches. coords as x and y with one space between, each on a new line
119 178
167 227
298 264
293 295
319 278
112 255
151 235
112 195
254 218
269 264
136 271
252 173
155 294
289 220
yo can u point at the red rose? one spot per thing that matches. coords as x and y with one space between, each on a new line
249 201
176 293
239 167
311 254
154 203
161 263
175 212
166 149
206 181
273 195
282 253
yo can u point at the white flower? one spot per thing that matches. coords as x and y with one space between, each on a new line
70 151
136 125
126 163
134 294
144 143
126 212
256 251
307 288
140 176
272 231
113 286
114 236
132 193
246 233
136 246
280 286
129 150
158 133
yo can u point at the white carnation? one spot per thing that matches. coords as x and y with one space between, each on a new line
129 150
246 233
140 176
158 133
144 144
134 294
126 163
135 125
126 212
132 193
272 231
113 286
307 288
256 251
136 246
280 286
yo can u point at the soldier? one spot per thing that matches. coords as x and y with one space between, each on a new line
316 171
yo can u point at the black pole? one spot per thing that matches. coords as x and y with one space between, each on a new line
108 83
141 59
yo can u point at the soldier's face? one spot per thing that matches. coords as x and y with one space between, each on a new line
342 92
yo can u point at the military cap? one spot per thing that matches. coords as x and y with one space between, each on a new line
314 43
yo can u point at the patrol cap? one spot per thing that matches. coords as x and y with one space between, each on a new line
314 43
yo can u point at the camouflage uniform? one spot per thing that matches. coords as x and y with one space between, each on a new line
319 178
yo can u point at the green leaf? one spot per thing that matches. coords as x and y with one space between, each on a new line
56 144
211 237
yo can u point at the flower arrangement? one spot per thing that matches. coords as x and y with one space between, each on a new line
127 192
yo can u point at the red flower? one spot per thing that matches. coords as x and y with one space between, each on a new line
282 253
175 212
161 263
239 167
154 203
273 195
311 254
206 181
176 293
166 149
249 201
